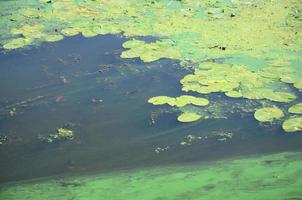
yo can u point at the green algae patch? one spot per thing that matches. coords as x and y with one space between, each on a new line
271 177
293 124
188 117
296 109
268 114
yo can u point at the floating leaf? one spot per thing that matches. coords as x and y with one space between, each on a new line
292 124
188 117
186 99
268 114
161 100
296 109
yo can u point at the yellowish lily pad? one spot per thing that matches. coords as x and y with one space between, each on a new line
268 114
188 117
292 124
296 109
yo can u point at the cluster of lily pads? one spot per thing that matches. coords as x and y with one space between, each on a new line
292 124
255 46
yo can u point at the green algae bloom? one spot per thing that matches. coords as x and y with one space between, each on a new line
292 124
275 176
188 117
296 109
268 114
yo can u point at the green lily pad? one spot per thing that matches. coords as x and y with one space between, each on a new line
188 117
17 43
268 114
296 109
292 124
53 38
186 99
179 101
161 100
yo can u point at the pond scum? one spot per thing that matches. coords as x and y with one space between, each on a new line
269 177
244 49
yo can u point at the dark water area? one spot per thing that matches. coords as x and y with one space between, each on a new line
84 84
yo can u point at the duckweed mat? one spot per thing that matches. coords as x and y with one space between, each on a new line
267 177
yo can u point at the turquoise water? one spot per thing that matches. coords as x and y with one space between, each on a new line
84 85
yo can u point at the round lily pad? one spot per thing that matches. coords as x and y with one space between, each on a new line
296 109
186 99
292 124
161 100
268 114
188 117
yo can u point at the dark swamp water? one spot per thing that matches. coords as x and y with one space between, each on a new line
84 84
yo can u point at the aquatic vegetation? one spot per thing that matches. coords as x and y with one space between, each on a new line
188 117
237 81
296 109
179 101
161 100
275 176
268 114
293 124
263 65
59 135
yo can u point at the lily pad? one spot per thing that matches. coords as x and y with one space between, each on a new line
292 124
296 109
188 117
186 99
268 114
161 100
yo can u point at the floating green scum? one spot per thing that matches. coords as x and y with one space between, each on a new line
244 49
269 177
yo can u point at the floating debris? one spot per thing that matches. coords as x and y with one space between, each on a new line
13 112
3 139
224 136
97 100
159 150
191 139
60 135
